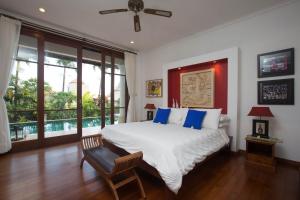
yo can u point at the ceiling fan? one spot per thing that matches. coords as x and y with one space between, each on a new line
136 6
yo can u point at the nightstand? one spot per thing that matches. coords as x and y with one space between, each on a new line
261 152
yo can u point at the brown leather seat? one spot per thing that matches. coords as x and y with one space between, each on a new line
104 157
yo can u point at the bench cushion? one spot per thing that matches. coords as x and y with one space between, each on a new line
104 157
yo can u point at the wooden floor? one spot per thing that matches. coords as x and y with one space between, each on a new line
54 173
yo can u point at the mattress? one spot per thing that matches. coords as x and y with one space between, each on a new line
172 149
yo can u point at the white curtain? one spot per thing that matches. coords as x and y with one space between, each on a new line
9 39
130 65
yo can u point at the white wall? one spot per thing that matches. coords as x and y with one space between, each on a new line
274 29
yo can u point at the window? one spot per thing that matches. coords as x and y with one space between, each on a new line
21 96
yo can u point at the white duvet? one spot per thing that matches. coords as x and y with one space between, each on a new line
173 150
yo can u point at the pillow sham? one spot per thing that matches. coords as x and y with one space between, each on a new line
176 116
162 115
194 119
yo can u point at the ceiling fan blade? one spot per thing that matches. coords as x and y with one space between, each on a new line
137 24
162 13
104 12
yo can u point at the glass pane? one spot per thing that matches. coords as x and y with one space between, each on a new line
107 98
91 57
58 80
60 122
91 93
119 90
27 49
107 90
119 115
56 54
107 64
21 95
119 66
107 116
60 90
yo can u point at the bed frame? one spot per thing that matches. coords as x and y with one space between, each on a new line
152 171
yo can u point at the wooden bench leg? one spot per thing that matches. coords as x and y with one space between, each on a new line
140 185
81 162
113 188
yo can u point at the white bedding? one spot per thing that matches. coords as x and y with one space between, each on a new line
173 150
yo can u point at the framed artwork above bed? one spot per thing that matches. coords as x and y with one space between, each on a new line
197 89
154 88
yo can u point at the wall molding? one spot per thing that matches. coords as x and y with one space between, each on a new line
232 54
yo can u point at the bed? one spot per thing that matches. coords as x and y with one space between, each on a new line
172 150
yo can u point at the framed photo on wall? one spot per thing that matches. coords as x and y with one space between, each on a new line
276 92
260 128
277 63
154 88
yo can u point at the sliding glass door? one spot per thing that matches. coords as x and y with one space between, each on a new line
61 89
103 91
91 92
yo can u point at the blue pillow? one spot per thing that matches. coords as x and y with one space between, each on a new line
162 116
194 119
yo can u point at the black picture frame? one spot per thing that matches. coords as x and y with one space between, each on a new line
276 92
276 63
149 115
260 128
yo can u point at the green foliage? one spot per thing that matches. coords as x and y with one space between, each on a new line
23 96
89 107
21 100
61 100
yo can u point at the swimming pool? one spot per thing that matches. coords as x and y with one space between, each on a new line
56 125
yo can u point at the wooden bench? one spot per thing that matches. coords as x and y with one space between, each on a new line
110 165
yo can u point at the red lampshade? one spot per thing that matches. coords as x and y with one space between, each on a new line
260 112
150 106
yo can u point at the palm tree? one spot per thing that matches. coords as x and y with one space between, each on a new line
64 63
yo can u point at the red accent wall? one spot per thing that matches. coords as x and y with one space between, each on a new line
221 76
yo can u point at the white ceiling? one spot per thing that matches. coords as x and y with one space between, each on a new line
189 16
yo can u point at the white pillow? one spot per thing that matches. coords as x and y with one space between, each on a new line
184 112
212 118
175 116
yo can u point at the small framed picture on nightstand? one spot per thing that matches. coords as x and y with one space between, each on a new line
260 128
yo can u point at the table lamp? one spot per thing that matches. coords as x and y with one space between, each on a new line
260 127
150 108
